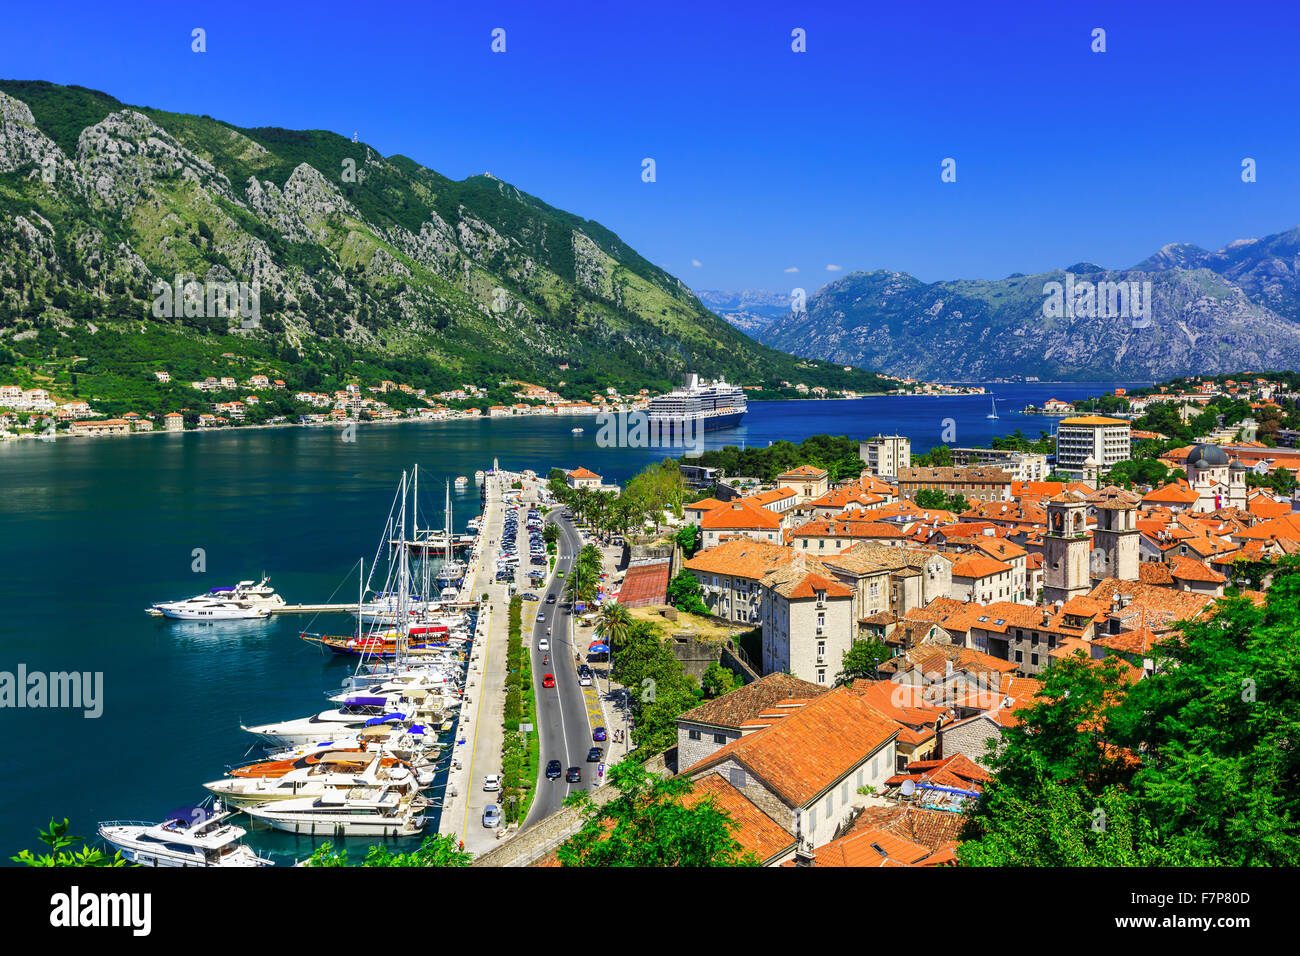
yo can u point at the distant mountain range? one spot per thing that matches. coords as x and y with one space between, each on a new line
367 265
751 311
1209 312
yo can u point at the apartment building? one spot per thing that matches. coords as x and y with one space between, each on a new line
972 483
1089 445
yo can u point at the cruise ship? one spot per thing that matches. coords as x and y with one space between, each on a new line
711 404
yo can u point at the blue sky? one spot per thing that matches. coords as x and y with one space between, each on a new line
766 159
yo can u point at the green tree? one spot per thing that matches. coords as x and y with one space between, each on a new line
684 593
861 660
650 824
614 623
717 680
439 850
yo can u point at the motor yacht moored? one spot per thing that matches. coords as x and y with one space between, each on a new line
192 836
358 813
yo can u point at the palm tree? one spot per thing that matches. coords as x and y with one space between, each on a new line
614 623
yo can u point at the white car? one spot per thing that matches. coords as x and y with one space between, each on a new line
492 816
492 782
543 645
584 680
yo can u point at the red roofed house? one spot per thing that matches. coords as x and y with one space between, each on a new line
808 481
705 729
980 578
582 478
740 518
808 623
804 770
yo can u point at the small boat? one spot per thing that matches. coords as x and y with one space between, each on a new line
994 413
462 481
356 813
575 431
191 836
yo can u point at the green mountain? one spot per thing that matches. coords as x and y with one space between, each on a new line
367 265
1208 312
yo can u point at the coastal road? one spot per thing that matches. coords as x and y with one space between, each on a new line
562 710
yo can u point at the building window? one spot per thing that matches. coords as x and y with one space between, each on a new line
693 734
1033 659
821 677
1020 656
719 738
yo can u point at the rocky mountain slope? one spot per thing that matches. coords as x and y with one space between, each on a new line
354 253
1210 312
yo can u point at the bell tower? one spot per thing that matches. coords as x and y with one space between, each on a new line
1065 548
1115 539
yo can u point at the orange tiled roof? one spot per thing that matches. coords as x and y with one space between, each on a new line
756 832
801 755
978 566
740 515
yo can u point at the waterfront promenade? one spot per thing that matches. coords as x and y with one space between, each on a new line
482 711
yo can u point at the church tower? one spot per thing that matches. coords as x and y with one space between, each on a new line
1065 548
1115 539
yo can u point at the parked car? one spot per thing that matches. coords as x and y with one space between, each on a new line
574 775
548 680
553 770
491 816
584 680
594 755
598 734
492 782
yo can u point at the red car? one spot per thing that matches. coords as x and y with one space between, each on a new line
548 680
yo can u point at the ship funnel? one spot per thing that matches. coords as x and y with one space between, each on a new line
692 380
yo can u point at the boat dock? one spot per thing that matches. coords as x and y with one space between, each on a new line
338 608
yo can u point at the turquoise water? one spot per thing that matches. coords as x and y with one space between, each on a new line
94 531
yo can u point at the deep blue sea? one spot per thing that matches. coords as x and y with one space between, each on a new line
93 531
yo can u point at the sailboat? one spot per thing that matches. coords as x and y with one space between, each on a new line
452 571
994 413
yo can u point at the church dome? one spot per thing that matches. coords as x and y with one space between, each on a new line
1208 456
1237 466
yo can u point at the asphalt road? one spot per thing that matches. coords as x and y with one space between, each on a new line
562 709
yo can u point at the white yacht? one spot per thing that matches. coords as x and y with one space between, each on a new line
209 609
193 836
362 812
356 713
335 771
243 601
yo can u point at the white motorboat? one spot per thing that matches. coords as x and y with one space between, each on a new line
361 812
356 713
575 431
231 602
192 836
334 771
211 609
